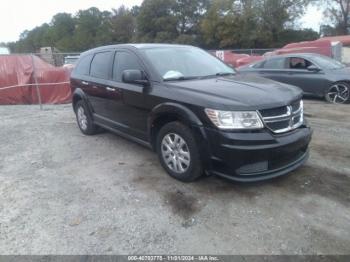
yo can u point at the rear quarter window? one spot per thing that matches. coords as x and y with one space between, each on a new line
83 67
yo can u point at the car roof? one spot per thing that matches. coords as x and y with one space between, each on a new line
135 46
306 55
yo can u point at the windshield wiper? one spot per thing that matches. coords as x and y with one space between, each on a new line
181 78
219 74
225 74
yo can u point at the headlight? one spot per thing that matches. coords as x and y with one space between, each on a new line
235 119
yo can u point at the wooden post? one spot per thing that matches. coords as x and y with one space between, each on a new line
36 83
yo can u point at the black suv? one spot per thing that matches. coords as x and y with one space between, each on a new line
198 114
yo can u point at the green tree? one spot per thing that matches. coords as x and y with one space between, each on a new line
217 24
61 31
292 36
135 10
338 12
328 30
188 15
123 25
250 23
31 41
156 21
92 28
207 23
277 15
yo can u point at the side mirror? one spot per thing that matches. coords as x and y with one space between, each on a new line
134 77
313 68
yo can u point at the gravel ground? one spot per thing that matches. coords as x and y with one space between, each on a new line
65 193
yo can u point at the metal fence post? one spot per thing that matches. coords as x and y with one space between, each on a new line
36 82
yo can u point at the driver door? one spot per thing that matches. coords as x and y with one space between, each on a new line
127 105
311 82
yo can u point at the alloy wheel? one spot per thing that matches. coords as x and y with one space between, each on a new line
82 118
338 94
175 153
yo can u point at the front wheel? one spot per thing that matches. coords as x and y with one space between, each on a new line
338 93
178 152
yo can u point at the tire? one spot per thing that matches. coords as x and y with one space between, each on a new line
84 120
178 152
338 93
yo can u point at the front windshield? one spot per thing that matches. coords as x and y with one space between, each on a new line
176 63
326 62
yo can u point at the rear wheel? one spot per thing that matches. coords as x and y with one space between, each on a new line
84 119
338 93
178 152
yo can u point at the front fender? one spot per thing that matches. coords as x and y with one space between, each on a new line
180 111
186 116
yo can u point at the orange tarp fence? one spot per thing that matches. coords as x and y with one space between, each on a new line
20 74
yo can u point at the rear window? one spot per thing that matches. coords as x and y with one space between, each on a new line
83 66
100 65
258 65
276 63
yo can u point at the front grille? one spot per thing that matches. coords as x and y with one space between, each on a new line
283 119
274 111
286 159
253 168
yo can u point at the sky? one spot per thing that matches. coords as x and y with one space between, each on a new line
312 18
19 15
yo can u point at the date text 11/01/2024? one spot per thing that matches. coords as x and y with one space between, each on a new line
173 258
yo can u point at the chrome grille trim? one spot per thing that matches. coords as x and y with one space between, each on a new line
288 117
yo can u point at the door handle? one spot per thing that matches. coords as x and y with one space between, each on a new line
84 83
110 89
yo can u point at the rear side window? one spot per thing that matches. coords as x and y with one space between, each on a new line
276 63
83 66
100 65
125 61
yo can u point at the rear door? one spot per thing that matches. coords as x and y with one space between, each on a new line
275 69
97 83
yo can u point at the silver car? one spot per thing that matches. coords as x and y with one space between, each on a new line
316 75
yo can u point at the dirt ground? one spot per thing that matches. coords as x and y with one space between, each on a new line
65 193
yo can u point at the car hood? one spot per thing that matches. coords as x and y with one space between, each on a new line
238 92
342 71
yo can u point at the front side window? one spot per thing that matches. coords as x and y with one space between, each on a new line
274 63
100 65
125 61
299 63
174 63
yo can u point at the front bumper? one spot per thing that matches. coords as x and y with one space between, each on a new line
256 156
